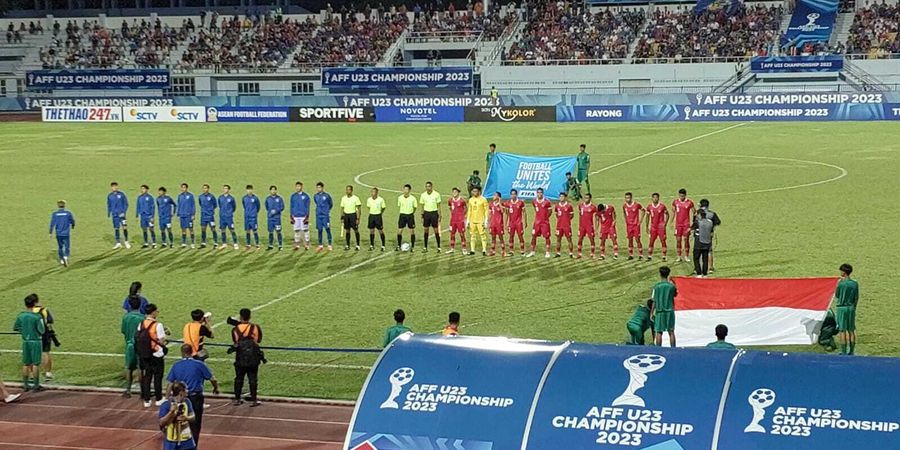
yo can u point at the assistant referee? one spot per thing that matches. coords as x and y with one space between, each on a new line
431 214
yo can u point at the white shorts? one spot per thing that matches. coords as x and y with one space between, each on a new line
299 225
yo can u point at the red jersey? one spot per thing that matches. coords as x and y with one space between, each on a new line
564 213
657 214
586 211
457 209
496 213
515 209
632 212
541 210
607 216
683 212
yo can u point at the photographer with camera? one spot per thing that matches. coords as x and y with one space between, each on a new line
193 373
48 338
196 331
246 337
150 347
176 415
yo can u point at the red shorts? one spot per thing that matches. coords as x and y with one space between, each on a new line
608 233
497 229
633 231
541 229
564 232
657 232
682 230
515 228
586 231
458 226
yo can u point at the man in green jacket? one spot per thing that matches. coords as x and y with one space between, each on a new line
130 323
397 329
31 327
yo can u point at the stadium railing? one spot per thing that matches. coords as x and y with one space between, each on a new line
444 36
667 60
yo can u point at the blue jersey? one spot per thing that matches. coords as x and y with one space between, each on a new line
323 204
61 221
166 206
186 206
274 206
207 205
300 204
146 206
116 204
227 206
251 206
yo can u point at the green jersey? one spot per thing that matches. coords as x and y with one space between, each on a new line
641 318
488 159
30 325
393 332
721 345
664 296
130 323
406 204
474 181
583 161
847 292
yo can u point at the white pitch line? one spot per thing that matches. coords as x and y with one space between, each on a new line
357 179
695 138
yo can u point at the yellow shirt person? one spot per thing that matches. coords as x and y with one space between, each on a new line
477 215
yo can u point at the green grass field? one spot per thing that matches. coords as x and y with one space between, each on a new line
786 207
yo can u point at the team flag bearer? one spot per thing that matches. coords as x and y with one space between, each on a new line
144 212
496 224
185 209
62 221
116 208
208 204
274 208
846 297
457 207
251 215
166 207
227 207
587 211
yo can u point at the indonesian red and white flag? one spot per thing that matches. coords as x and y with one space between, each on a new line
757 311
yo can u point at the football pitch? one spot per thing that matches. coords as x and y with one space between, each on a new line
796 199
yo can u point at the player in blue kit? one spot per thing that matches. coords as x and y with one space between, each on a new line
144 211
251 215
208 206
166 207
324 203
116 208
274 208
300 216
62 221
227 207
186 209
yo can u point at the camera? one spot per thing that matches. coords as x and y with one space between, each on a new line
232 321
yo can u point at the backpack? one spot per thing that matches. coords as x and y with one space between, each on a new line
247 350
143 341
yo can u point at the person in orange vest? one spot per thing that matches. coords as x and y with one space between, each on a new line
452 328
150 346
196 331
246 337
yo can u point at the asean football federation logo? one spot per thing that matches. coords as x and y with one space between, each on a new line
399 378
638 367
759 400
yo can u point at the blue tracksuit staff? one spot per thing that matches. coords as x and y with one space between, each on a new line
274 208
300 216
227 207
166 207
323 215
208 206
251 217
62 221
116 208
144 212
186 209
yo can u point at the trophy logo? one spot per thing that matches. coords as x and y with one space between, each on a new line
687 113
399 378
638 366
699 98
759 400
346 100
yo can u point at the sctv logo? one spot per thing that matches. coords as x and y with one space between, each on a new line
184 116
138 115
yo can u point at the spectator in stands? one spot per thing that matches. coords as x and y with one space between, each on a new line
452 328
195 333
135 291
720 343
875 31
193 373
399 328
246 337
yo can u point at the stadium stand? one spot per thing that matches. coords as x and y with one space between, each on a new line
259 44
875 31
357 41
92 45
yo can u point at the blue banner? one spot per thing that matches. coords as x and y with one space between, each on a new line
617 113
397 79
778 64
731 6
419 113
812 21
247 114
97 79
784 402
528 173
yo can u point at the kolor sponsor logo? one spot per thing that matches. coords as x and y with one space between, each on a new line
511 114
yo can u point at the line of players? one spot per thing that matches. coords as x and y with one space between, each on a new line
475 215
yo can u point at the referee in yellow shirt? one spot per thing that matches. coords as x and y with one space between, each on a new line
477 216
406 204
350 206
431 214
376 206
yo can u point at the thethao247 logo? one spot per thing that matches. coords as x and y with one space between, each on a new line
427 397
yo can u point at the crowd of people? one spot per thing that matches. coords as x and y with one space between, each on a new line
14 35
489 25
562 31
256 43
875 31
356 41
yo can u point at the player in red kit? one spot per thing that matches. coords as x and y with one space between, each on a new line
606 216
495 214
657 222
457 206
564 214
684 216
541 226
634 216
586 213
516 220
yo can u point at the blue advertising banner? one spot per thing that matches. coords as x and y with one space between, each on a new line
812 21
714 5
598 397
528 173
397 79
778 64
617 113
97 79
785 402
419 113
247 114
431 392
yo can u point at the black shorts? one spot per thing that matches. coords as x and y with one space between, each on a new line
407 221
46 343
350 221
431 219
376 222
